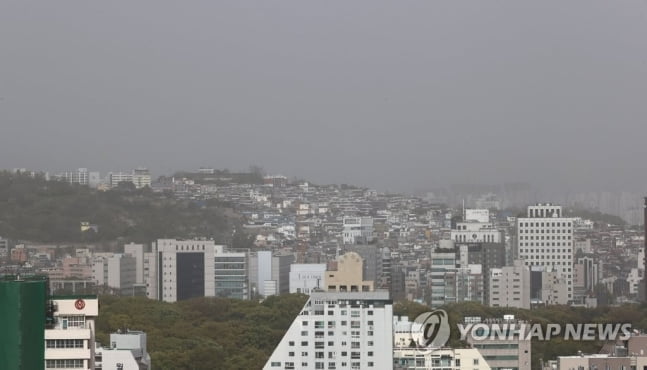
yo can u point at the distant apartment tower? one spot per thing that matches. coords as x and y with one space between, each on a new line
81 177
509 286
338 330
357 230
180 269
141 178
464 284
307 277
545 238
269 273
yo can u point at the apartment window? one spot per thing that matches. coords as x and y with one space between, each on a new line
304 343
275 364
64 364
291 354
64 343
291 343
304 354
75 321
304 333
289 365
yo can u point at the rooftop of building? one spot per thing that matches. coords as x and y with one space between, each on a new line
374 295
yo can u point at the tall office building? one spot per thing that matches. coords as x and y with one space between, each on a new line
335 330
180 269
269 273
441 263
545 238
231 274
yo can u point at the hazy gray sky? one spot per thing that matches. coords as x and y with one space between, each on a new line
396 95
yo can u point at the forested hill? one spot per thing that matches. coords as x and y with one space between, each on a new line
50 211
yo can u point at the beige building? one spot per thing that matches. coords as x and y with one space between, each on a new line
349 276
439 359
509 286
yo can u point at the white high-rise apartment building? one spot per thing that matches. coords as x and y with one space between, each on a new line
545 238
338 331
70 342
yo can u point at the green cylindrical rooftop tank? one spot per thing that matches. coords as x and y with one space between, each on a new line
22 322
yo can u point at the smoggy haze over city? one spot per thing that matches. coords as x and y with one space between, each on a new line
392 95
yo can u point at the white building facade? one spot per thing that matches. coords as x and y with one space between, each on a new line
545 238
70 342
338 331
